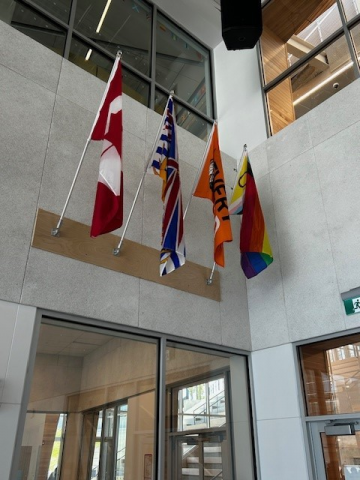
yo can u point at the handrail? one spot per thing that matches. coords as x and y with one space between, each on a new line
217 475
211 404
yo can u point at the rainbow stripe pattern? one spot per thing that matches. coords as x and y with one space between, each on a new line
256 253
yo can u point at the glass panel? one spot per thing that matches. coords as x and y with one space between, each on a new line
282 45
310 85
196 403
213 458
95 462
121 442
184 118
341 456
33 25
183 65
331 372
117 25
351 8
60 9
202 405
42 445
355 33
201 456
100 66
78 372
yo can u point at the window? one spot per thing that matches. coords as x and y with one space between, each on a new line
200 442
91 413
89 33
94 410
33 24
309 52
331 376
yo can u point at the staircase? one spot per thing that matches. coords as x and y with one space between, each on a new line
212 464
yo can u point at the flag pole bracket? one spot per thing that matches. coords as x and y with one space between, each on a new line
209 281
55 232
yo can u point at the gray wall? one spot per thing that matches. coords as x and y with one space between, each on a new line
308 181
47 109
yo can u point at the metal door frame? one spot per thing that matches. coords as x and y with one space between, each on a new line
315 428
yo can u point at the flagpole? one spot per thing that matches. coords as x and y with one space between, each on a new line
56 231
200 169
209 281
116 250
239 164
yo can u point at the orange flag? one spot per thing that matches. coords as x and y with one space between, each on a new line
211 185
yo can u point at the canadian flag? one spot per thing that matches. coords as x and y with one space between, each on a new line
108 208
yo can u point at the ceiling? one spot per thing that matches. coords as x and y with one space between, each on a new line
67 341
201 18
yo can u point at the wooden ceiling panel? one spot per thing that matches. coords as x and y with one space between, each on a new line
288 17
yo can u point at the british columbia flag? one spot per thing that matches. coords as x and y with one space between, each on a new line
165 164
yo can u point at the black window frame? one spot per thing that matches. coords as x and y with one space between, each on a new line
344 30
71 33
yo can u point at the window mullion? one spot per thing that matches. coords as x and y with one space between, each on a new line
349 39
70 30
303 60
153 59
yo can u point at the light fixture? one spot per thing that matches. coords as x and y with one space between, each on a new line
103 16
324 82
88 54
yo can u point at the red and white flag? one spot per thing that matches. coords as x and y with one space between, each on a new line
108 209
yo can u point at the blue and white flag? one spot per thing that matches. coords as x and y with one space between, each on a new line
165 164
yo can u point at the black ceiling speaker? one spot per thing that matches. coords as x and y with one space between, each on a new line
241 23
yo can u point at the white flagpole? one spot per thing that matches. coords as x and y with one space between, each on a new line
210 279
56 231
116 250
201 167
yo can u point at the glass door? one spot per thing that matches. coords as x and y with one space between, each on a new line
336 449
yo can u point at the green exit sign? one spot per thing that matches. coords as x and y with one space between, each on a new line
352 305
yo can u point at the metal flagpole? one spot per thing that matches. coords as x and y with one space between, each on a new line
56 231
209 281
200 169
116 250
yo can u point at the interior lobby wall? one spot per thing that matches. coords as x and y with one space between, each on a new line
50 105
307 177
240 107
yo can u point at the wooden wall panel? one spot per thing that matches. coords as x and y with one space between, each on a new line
288 17
136 260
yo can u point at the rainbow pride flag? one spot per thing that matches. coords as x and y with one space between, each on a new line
255 247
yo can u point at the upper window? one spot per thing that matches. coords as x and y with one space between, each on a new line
33 24
183 65
157 55
118 25
331 376
307 55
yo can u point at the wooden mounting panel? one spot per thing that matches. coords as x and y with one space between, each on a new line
135 259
